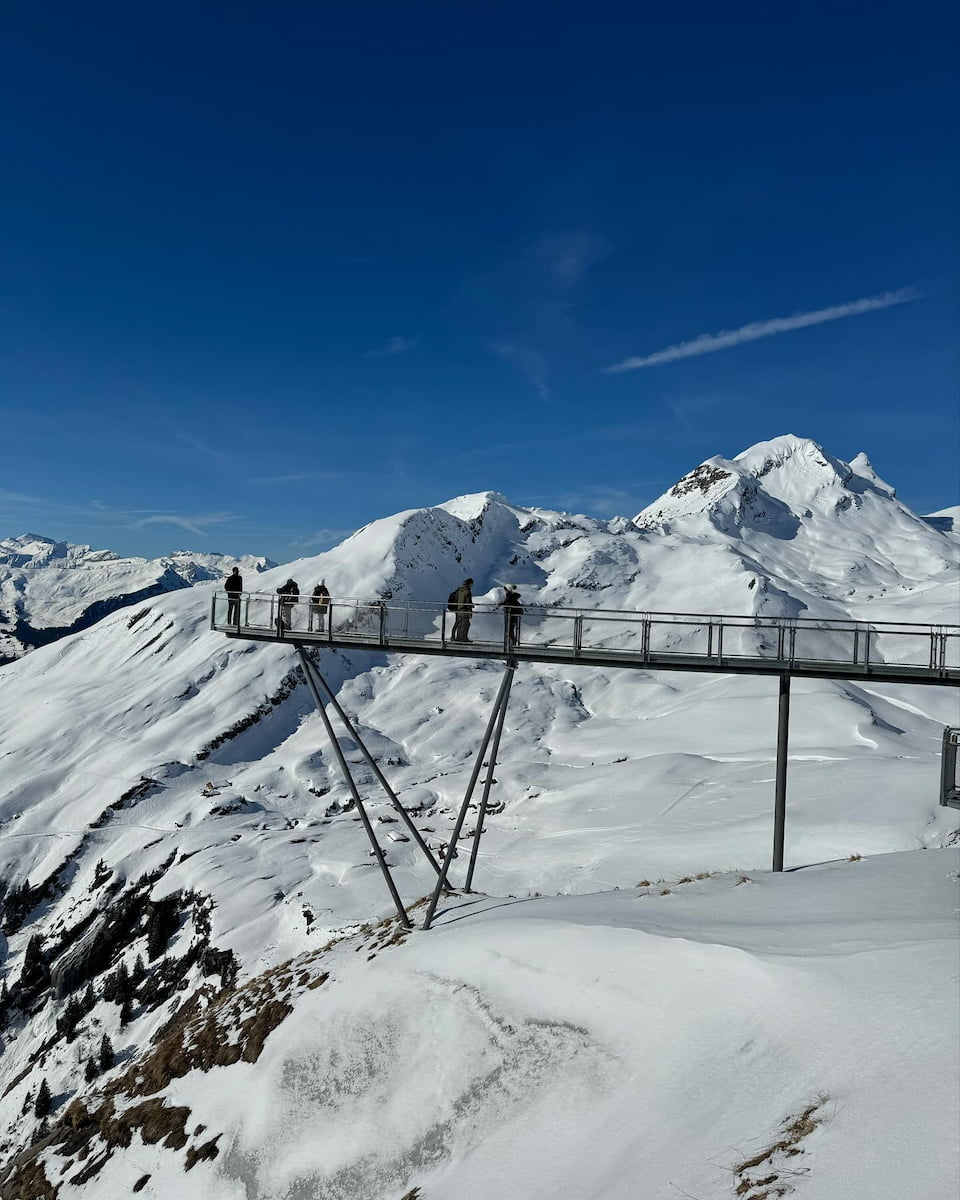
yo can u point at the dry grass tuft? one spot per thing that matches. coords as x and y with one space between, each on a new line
794 1130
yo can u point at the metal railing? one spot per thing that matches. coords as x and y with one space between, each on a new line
949 780
603 635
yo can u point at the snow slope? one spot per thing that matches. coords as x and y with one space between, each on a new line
108 738
49 588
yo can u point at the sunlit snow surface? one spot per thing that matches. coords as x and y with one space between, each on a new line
623 1045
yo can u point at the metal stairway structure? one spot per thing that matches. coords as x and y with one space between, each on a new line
877 652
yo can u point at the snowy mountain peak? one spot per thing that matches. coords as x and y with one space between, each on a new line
863 467
475 504
34 550
777 482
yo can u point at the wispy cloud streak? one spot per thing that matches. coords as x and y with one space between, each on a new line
709 343
394 345
194 524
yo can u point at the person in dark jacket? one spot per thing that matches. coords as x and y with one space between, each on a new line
319 602
233 587
463 607
512 612
289 594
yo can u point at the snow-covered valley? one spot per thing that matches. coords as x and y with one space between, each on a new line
633 1008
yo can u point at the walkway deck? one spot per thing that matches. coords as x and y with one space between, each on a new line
882 652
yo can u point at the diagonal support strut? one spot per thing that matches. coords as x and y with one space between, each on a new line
495 721
488 782
309 668
351 784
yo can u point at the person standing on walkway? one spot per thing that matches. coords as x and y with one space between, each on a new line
319 603
233 587
463 607
512 612
289 594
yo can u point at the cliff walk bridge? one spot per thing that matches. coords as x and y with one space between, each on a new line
783 647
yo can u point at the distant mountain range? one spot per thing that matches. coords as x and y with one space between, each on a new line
49 588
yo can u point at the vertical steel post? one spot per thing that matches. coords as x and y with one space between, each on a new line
371 761
488 782
475 775
378 853
780 804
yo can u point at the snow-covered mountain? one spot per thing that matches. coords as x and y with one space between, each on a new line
947 520
166 793
49 588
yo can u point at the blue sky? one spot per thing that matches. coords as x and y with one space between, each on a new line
272 271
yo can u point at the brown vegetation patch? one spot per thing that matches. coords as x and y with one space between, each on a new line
213 1028
32 1181
205 1153
775 1181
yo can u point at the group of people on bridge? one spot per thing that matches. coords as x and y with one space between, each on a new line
459 602
289 593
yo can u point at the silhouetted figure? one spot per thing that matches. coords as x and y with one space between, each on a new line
319 603
233 587
463 607
512 612
289 594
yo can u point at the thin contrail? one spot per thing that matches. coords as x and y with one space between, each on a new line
708 343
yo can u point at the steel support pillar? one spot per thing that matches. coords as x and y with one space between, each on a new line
780 804
310 668
351 784
488 782
499 706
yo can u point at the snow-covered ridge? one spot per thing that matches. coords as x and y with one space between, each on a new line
947 520
50 588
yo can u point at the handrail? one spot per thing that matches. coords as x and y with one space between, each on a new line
613 614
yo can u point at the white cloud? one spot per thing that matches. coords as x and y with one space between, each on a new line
394 345
708 343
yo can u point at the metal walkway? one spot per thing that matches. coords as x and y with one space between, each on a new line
877 652
884 652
